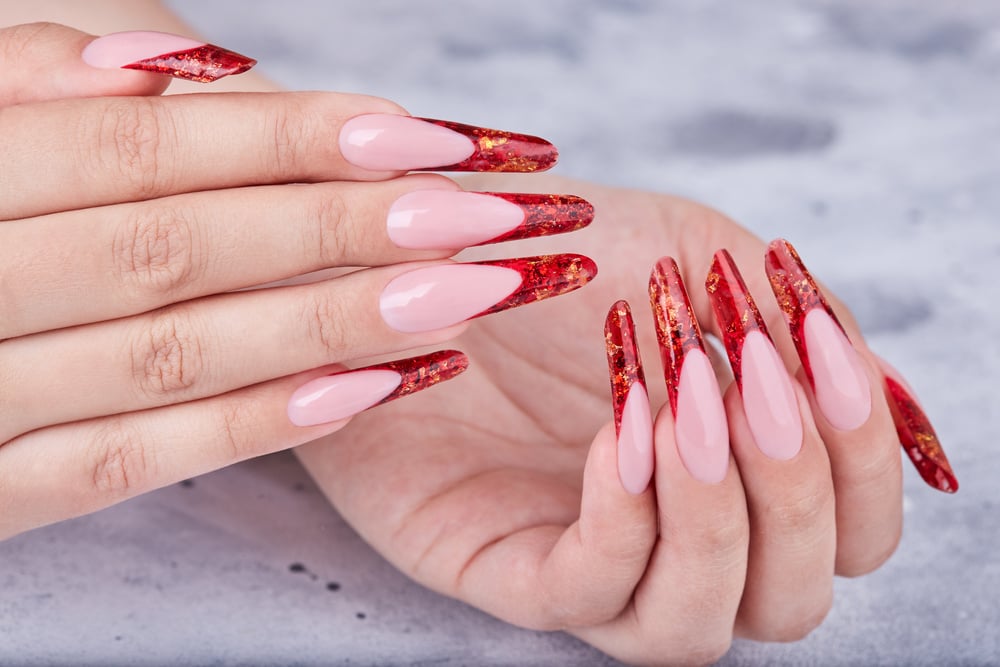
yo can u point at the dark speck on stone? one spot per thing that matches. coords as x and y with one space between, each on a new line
361 615
297 568
187 483
332 586
819 208
118 638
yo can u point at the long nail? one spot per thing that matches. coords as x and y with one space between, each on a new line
768 396
446 219
633 419
700 424
439 296
338 396
831 363
388 142
916 434
164 53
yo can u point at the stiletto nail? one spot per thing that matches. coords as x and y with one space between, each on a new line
445 219
700 424
768 397
164 53
831 363
338 396
388 142
916 434
439 296
633 419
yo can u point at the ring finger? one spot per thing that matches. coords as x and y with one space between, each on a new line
219 343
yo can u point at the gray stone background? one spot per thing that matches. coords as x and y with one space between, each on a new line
865 131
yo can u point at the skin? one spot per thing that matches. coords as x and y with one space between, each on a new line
507 495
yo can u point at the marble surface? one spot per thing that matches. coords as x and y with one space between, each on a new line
865 131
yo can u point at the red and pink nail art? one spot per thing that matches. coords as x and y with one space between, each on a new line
630 400
164 53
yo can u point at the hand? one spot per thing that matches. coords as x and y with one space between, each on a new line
496 491
129 223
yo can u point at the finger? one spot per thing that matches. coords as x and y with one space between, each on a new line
43 61
785 472
74 469
218 344
685 606
80 153
126 259
851 414
585 574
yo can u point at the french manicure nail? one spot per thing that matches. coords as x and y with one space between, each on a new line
164 53
768 396
633 419
341 395
388 142
439 296
700 424
445 219
916 434
832 365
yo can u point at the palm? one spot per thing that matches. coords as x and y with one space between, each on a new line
432 480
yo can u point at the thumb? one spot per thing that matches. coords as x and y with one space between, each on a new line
46 61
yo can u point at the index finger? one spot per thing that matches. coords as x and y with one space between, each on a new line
75 154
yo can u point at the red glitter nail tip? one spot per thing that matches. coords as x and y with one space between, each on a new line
919 440
677 329
496 150
734 308
545 215
204 63
797 294
422 372
543 277
624 364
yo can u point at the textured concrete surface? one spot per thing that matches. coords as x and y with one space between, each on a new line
865 131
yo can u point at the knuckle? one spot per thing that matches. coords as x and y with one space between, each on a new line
153 251
167 355
288 131
16 41
119 464
804 512
325 318
331 216
234 432
130 135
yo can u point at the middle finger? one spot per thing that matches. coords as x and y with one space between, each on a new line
126 259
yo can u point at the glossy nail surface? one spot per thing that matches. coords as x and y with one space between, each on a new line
164 53
832 365
439 296
341 395
633 419
916 434
768 396
445 219
388 142
700 424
